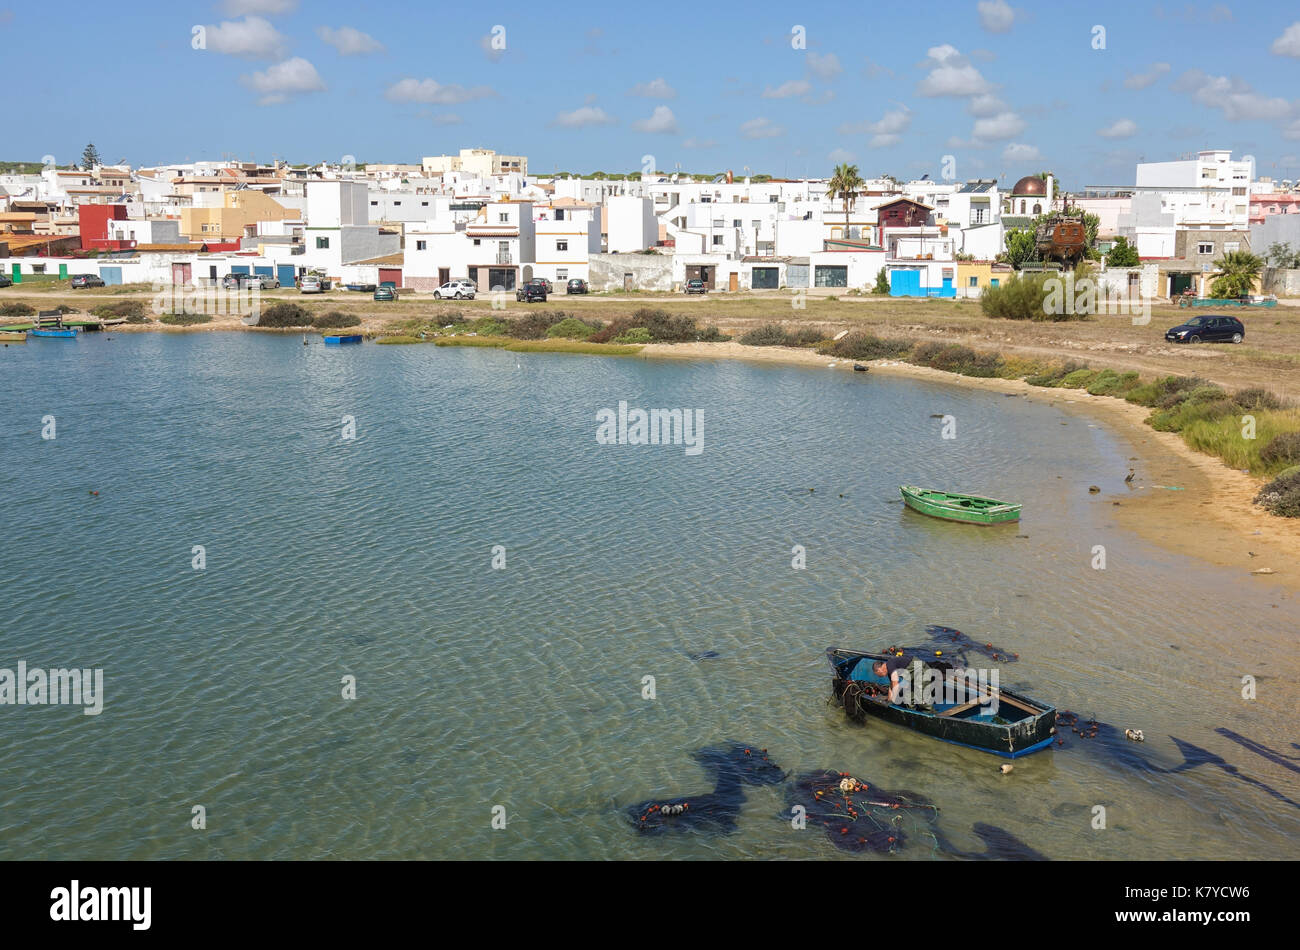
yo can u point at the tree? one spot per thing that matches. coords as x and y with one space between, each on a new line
89 158
845 183
1238 271
1122 254
1021 248
882 282
1281 255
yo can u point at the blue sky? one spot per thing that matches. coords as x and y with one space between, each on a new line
1005 88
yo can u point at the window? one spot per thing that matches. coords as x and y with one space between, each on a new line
717 240
397 204
421 245
504 217
735 222
719 222
322 243
561 273
993 282
1239 191
1205 247
424 204
476 242
373 203
973 282
561 245
754 224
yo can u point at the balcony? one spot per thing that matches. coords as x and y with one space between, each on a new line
505 257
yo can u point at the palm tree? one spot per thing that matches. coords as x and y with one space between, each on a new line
845 183
1238 271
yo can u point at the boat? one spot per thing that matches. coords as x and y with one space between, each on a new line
61 333
972 509
342 340
9 337
981 716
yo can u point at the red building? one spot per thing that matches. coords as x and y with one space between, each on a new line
903 213
93 220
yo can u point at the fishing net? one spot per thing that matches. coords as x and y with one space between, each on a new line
858 816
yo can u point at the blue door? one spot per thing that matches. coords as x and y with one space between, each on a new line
111 275
287 275
905 283
239 269
264 271
947 287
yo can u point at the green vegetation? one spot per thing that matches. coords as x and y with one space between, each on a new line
845 183
882 283
955 358
661 326
1281 496
1122 254
185 319
636 335
571 346
336 320
1238 272
285 315
571 328
1281 255
399 338
773 334
16 309
131 310
89 157
865 346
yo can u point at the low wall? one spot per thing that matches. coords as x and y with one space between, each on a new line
649 271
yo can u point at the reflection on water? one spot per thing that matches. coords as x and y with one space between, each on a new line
524 687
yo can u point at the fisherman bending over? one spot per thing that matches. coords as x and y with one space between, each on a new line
890 669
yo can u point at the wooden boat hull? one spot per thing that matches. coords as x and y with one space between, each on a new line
68 334
1027 726
343 340
976 510
6 337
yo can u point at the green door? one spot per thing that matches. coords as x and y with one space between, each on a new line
18 273
63 272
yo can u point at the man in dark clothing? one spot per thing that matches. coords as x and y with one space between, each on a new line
890 669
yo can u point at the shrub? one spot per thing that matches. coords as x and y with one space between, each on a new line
662 326
16 309
1281 496
285 314
882 283
185 319
1223 436
571 329
1282 449
955 358
336 319
1111 383
112 310
865 346
1257 398
804 336
1154 393
634 335
770 334
1079 379
1053 375
532 325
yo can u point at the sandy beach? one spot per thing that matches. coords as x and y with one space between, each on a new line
1212 518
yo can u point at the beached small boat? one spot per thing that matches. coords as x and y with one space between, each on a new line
968 713
7 337
343 340
58 333
971 509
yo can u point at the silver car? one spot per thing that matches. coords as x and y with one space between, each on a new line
262 281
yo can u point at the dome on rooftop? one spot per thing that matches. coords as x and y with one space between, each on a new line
1030 185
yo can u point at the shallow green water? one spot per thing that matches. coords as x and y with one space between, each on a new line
522 687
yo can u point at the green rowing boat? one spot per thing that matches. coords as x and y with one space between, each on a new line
971 509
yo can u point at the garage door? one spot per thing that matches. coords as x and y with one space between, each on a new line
287 275
765 278
391 275
796 275
905 283
831 275
111 275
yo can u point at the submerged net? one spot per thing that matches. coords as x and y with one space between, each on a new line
858 816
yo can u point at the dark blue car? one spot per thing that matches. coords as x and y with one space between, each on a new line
1211 328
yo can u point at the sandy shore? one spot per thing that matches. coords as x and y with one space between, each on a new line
1213 518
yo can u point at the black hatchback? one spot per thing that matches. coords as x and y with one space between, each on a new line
1211 328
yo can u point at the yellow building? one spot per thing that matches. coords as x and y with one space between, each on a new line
240 211
974 276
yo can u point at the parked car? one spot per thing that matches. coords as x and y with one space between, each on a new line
458 289
386 291
576 286
233 281
311 284
531 290
1211 328
86 280
6 281
262 281
696 286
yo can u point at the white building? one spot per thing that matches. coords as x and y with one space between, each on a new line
630 224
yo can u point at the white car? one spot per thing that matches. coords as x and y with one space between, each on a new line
310 285
459 289
263 282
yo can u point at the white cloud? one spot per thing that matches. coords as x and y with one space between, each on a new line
1288 44
794 87
840 155
823 66
277 83
350 41
1148 78
996 16
884 140
1233 96
1292 130
251 38
447 118
1004 125
1021 153
951 74
986 105
427 90
760 128
1120 129
583 116
661 120
700 143
654 89
269 7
